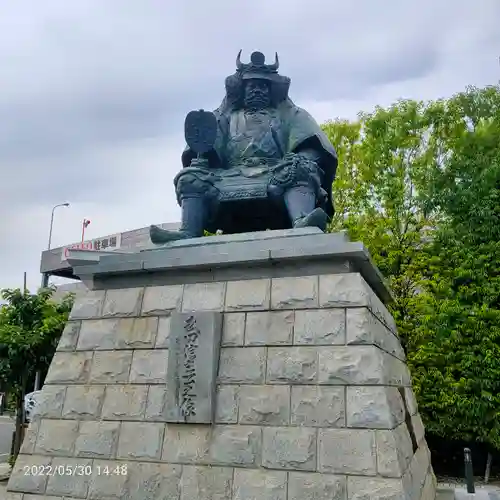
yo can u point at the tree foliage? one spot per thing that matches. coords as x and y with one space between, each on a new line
30 327
419 184
382 160
456 359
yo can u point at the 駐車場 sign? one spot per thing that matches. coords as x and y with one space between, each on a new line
107 243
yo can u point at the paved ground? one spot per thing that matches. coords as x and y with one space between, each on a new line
7 426
454 491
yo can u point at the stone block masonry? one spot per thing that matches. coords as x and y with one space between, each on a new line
313 399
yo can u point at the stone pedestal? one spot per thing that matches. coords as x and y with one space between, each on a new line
311 397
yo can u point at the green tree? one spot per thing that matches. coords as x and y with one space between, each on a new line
419 184
30 328
377 191
455 357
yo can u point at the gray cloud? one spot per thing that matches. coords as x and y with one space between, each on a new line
88 76
93 94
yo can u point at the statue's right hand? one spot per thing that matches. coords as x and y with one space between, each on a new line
200 130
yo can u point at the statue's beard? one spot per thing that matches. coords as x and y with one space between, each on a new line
257 100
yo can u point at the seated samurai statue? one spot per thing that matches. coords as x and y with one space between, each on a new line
264 162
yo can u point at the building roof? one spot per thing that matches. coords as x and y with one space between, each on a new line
53 261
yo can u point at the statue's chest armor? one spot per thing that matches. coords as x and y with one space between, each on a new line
251 136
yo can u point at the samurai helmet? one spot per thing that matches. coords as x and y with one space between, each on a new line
257 69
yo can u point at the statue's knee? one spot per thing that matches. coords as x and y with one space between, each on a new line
191 185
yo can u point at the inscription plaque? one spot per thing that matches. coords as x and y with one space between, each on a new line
193 361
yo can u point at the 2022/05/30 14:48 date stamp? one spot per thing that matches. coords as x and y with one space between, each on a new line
75 470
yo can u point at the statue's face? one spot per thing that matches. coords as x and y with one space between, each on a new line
257 94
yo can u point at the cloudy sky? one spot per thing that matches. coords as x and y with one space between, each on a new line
93 93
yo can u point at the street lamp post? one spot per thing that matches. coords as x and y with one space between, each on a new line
45 276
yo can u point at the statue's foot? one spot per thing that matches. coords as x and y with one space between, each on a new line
317 218
159 236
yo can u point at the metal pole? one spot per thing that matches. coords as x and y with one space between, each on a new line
52 221
51 226
37 380
85 223
45 276
45 280
469 475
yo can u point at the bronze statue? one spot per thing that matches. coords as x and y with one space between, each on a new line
257 162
